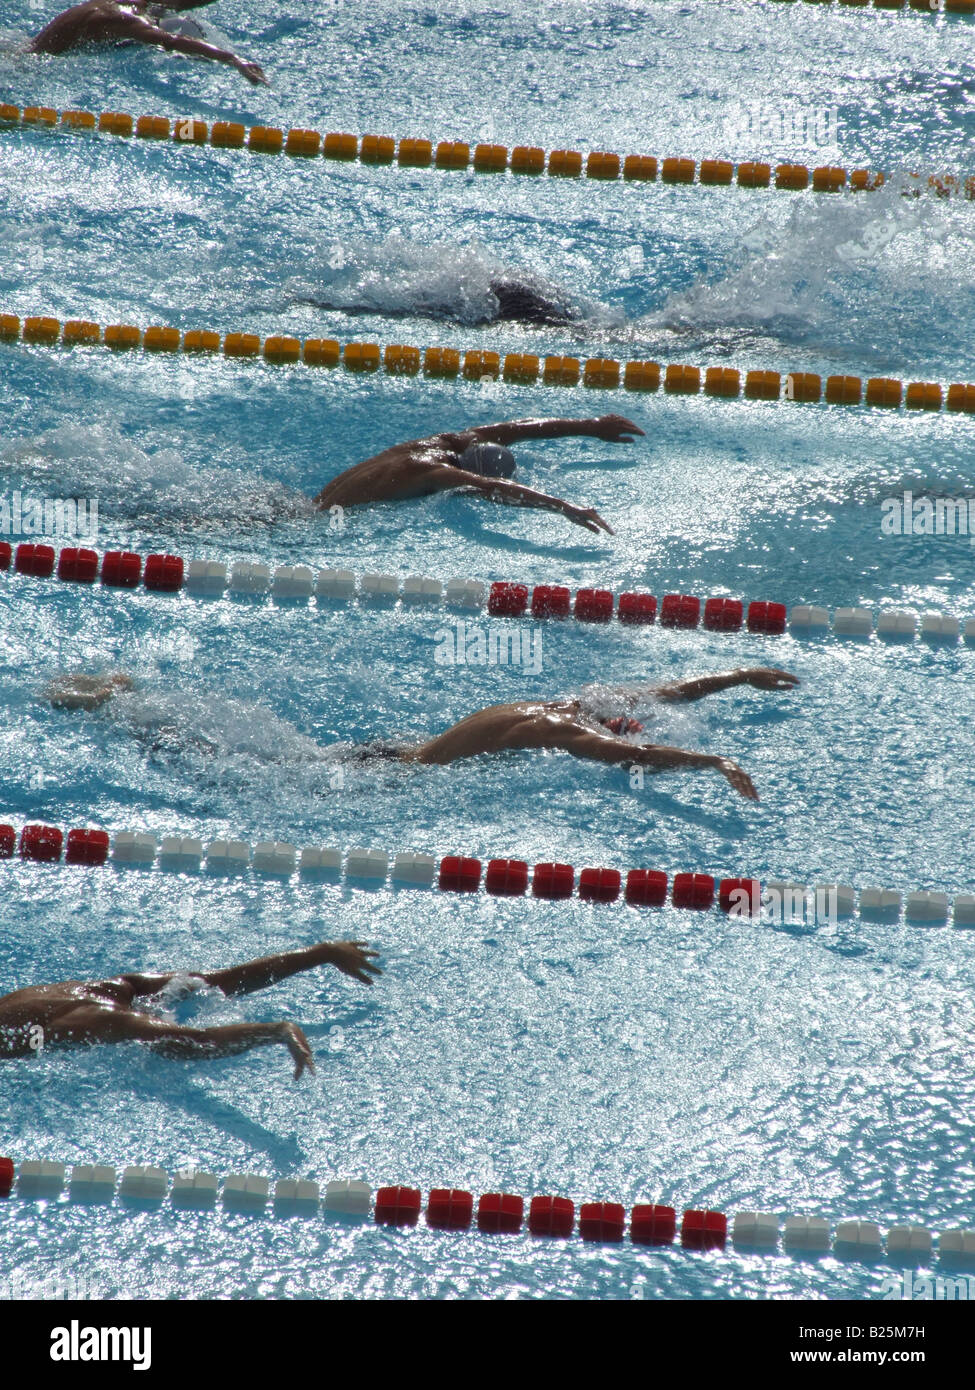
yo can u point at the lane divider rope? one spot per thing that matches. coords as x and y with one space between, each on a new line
495 1213
516 368
775 899
169 574
386 150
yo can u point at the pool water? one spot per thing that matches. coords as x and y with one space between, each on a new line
601 1053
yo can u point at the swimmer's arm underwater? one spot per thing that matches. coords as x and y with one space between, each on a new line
589 743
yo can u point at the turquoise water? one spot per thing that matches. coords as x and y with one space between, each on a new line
599 1053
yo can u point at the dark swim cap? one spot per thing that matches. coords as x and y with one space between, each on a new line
489 460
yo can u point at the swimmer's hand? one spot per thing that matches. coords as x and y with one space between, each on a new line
353 960
297 1044
769 678
615 429
587 517
253 73
738 778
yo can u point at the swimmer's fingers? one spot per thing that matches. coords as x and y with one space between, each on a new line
771 678
589 518
253 74
738 778
352 960
299 1047
617 429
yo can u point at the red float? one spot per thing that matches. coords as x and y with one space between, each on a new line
458 875
163 573
35 560
449 1209
743 895
551 1216
506 878
637 608
78 566
594 605
550 601
599 885
680 610
6 1176
398 1206
508 600
601 1221
86 847
766 617
553 881
8 841
646 887
500 1213
693 890
703 1230
5 553
652 1225
723 614
41 842
122 569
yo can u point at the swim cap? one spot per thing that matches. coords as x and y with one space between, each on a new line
622 725
489 460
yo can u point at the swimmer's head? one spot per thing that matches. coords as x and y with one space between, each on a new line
489 460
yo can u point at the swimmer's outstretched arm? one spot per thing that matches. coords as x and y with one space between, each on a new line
350 957
761 677
615 429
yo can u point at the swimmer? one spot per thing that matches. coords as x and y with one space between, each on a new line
517 302
462 460
85 692
573 725
83 1012
138 21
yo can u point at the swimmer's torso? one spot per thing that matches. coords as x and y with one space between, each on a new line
523 724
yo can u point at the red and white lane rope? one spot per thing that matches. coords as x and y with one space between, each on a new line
771 900
493 1213
170 574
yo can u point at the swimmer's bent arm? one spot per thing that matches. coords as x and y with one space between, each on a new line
189 1044
143 31
588 743
517 495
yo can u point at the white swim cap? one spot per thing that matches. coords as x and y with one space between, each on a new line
489 460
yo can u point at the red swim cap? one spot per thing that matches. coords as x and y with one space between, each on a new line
622 725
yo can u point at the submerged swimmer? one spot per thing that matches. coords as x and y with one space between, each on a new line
460 460
138 21
517 302
573 725
103 1011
